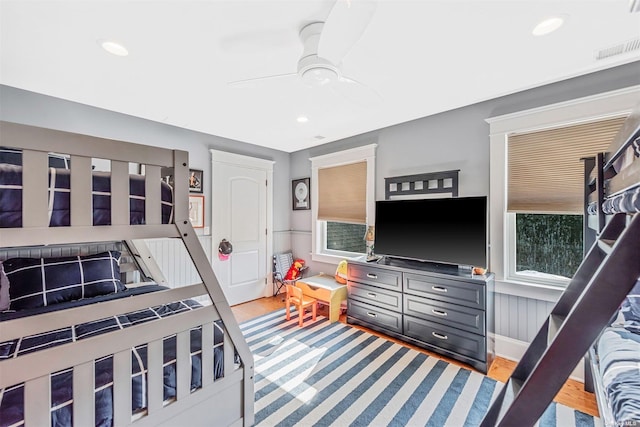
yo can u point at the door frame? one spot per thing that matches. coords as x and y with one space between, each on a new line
248 162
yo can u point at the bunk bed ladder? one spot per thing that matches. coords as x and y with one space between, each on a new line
603 280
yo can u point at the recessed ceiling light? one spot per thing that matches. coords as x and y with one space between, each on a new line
113 48
548 25
302 119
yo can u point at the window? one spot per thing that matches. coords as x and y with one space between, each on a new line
545 197
523 202
548 246
343 202
342 236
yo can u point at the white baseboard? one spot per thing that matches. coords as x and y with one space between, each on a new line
512 349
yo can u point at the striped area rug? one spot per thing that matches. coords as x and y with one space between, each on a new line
331 374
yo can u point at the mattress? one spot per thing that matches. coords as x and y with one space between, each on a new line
59 198
618 353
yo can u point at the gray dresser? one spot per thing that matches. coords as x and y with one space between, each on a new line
436 307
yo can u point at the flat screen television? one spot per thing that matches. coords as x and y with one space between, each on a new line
449 231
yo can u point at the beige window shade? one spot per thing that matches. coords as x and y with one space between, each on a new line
545 173
342 195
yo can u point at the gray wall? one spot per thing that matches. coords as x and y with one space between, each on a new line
457 139
30 108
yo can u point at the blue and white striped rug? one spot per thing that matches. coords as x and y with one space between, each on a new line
332 374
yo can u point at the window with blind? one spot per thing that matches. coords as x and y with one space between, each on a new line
342 206
545 191
344 201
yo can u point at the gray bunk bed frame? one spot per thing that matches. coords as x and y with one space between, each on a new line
222 401
607 274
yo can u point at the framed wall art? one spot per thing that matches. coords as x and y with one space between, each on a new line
300 191
195 180
196 211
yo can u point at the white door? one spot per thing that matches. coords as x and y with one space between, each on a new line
240 213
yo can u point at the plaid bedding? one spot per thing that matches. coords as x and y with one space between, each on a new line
11 398
38 282
59 198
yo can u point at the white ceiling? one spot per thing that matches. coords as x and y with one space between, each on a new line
420 57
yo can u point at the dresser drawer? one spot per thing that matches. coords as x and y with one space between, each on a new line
456 340
387 279
453 315
375 315
375 296
470 294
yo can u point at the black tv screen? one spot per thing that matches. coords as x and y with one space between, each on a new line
451 231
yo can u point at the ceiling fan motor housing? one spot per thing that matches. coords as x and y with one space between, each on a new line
312 69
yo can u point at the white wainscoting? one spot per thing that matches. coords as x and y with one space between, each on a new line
58 251
174 261
518 317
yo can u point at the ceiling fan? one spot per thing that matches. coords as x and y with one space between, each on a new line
324 46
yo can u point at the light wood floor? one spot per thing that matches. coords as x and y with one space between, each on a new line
572 394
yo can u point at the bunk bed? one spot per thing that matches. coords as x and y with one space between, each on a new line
85 336
613 187
602 283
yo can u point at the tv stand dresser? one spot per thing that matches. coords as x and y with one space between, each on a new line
440 308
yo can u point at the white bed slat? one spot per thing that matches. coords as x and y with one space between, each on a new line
181 185
33 365
83 401
54 320
81 187
34 189
228 355
122 387
183 364
153 196
63 235
119 193
207 353
37 398
155 376
149 266
36 138
216 401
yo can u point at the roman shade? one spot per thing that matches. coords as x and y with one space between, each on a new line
342 193
545 174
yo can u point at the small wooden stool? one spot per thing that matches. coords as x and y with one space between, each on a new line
296 297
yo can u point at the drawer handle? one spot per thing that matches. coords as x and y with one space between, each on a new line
371 294
437 335
370 314
439 288
439 313
372 276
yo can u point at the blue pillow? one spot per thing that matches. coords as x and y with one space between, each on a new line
38 282
630 309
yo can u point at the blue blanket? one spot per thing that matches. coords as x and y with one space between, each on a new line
11 398
619 355
59 197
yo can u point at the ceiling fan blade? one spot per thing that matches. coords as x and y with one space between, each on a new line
344 26
357 93
250 82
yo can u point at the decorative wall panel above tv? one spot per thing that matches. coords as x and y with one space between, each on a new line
423 183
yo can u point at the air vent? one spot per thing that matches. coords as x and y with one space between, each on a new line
618 49
318 137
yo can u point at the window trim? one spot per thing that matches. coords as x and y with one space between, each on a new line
595 107
354 155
